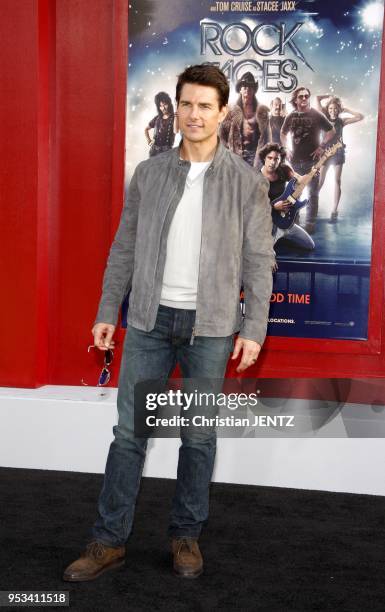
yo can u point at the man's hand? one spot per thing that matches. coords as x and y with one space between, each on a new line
103 333
282 205
250 352
317 153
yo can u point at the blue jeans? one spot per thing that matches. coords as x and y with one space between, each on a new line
153 356
303 167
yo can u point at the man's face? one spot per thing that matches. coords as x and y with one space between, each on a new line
333 111
199 113
272 161
276 107
303 100
163 107
247 94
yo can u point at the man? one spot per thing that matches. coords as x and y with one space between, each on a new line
306 124
278 173
196 222
246 129
276 119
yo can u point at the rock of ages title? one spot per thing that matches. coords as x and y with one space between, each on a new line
266 40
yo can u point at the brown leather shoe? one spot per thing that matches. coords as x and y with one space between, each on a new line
96 559
188 562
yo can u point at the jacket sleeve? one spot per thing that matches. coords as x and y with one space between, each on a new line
120 263
258 259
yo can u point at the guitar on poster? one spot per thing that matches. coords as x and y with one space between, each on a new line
285 219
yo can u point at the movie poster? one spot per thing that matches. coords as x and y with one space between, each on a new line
304 75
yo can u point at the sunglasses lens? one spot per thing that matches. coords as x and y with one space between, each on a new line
104 377
105 374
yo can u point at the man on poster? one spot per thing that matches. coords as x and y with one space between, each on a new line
246 129
276 119
185 277
306 124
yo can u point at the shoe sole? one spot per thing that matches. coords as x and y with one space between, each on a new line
114 565
188 575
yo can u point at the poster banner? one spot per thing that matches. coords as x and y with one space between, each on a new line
304 75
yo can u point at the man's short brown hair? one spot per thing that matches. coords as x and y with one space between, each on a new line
205 74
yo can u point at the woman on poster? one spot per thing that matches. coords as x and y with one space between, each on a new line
333 109
163 124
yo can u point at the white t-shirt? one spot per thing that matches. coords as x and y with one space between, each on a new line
180 278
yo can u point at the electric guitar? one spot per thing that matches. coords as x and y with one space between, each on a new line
285 219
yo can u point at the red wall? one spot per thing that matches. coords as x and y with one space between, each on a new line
62 108
23 195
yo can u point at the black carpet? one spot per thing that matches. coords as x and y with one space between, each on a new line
264 548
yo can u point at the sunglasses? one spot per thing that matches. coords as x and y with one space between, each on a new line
105 374
303 96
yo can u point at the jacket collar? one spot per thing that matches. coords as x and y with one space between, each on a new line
218 156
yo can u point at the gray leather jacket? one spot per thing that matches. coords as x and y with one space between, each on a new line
236 246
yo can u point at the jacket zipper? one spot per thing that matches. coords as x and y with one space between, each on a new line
160 242
210 169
